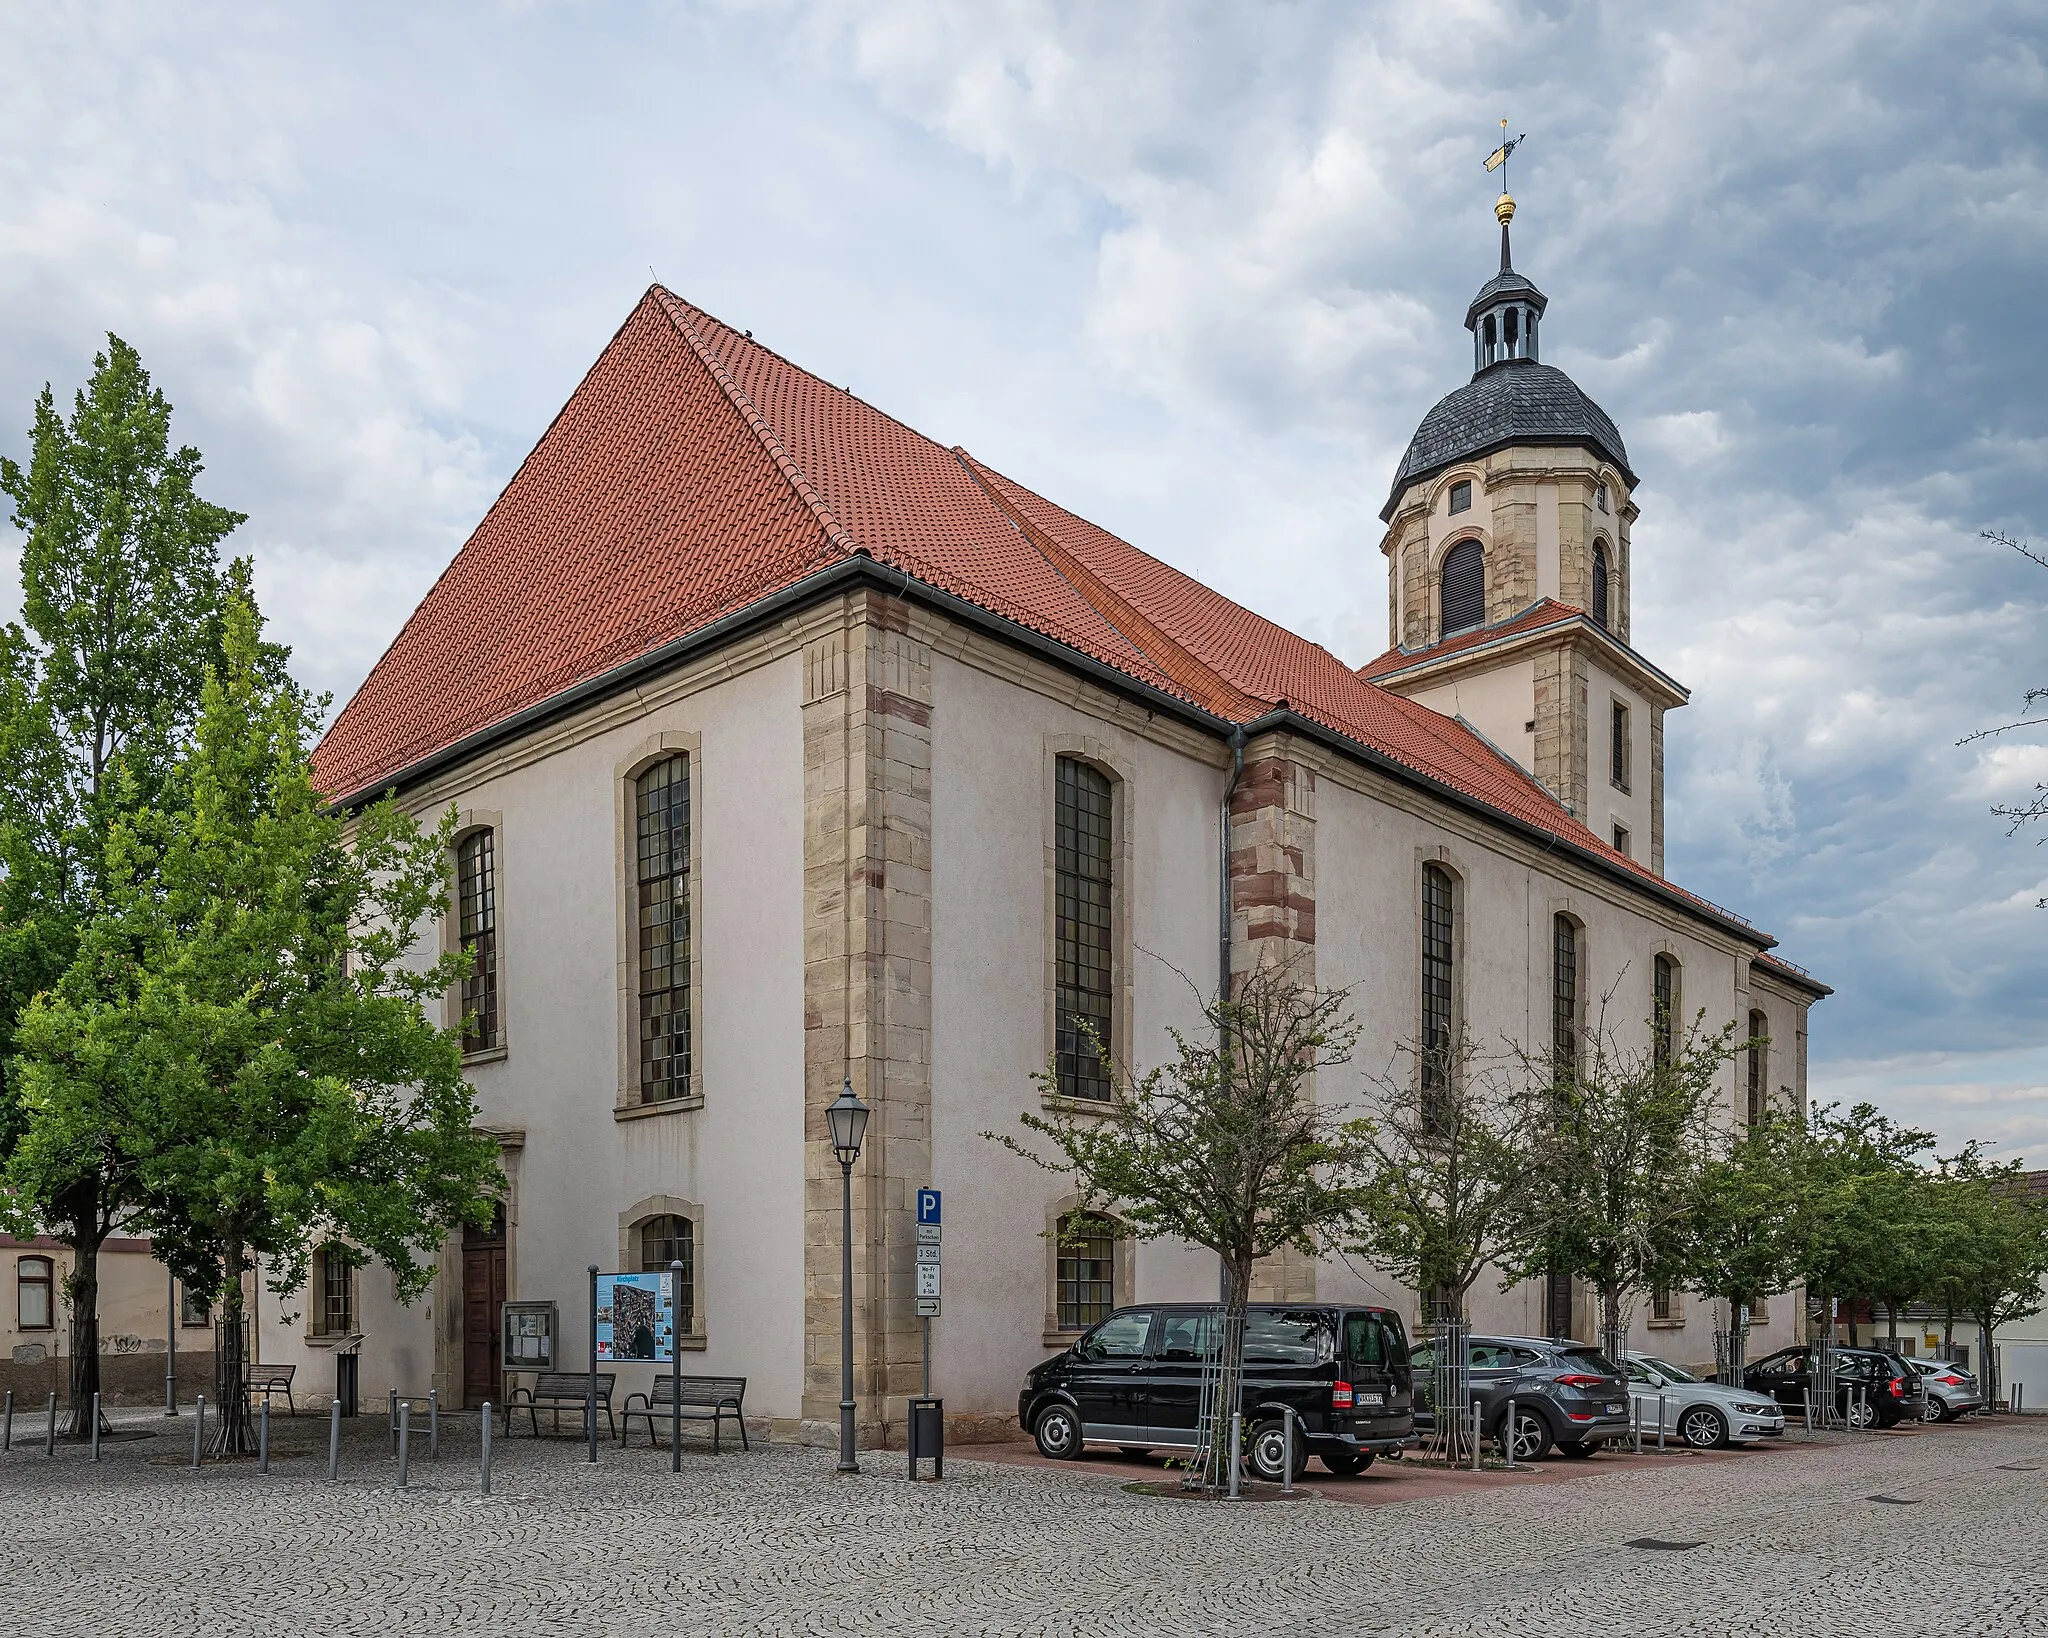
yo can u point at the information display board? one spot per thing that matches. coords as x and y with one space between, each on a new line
530 1331
636 1316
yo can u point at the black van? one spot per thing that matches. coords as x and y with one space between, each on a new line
1135 1381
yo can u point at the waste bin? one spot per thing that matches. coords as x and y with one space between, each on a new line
928 1435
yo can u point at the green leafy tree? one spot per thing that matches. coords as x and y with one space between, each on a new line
1619 1154
1224 1146
122 600
1741 1232
298 1091
1849 1200
1448 1175
1994 1254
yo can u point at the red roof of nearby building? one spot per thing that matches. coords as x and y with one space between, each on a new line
1544 612
694 472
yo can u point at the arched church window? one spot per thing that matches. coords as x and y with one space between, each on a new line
1600 585
1439 926
1464 587
1490 337
1512 331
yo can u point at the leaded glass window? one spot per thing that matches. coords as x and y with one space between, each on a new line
1759 1053
476 892
1082 884
672 1238
1599 585
1085 1276
1664 998
1439 905
337 1292
1617 745
661 829
1564 996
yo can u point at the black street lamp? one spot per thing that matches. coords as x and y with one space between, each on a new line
847 1120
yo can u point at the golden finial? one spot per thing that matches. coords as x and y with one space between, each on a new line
1504 208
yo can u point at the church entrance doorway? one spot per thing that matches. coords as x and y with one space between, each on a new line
483 1310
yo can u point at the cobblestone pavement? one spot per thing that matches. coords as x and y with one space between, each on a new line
1791 1538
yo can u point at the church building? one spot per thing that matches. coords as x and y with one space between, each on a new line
792 748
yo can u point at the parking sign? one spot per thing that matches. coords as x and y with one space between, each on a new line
927 1205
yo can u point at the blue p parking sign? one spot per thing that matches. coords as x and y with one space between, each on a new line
927 1205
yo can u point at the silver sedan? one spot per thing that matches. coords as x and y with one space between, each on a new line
1951 1390
1703 1415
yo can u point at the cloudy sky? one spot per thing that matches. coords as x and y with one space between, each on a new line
1196 270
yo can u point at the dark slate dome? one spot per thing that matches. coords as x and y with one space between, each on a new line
1515 402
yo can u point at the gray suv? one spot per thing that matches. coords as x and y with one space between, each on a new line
1567 1395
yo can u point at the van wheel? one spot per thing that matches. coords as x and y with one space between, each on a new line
1344 1463
1058 1433
1268 1454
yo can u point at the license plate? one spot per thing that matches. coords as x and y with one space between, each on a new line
1372 1398
1613 1410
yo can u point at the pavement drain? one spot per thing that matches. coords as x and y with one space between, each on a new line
1652 1544
2018 1467
1896 1501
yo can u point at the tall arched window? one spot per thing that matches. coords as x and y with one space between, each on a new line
1564 996
476 894
1439 913
1600 585
661 824
1085 1273
1464 587
1663 1006
1758 1065
672 1238
1083 999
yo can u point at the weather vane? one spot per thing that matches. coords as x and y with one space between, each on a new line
1498 159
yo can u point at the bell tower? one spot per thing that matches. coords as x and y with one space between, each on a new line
1508 573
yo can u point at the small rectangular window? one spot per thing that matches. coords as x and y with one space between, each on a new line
1661 1305
1617 746
337 1313
1085 1277
1461 496
195 1308
1621 840
35 1280
1600 496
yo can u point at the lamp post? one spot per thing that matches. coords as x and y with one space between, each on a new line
847 1120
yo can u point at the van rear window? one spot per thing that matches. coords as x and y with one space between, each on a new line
1374 1339
1301 1337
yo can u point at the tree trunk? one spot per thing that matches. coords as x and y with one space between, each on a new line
1237 1275
233 1435
1850 1308
1987 1367
83 1291
1948 1332
1613 1329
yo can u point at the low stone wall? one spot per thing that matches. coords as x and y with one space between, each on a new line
125 1379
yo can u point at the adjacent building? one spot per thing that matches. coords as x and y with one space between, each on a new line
791 748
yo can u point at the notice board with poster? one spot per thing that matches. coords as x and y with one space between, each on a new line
636 1316
530 1332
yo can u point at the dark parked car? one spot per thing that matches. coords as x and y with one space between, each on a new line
1135 1381
1567 1394
1872 1388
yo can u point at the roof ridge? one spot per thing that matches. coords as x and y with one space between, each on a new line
785 463
1122 615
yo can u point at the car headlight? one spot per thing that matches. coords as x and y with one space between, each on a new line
1756 1410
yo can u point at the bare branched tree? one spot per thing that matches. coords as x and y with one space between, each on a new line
2019 815
1450 1173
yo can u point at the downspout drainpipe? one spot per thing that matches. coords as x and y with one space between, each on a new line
1223 922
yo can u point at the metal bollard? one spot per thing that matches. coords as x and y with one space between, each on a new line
334 1442
198 1427
1287 1450
1236 1449
1507 1435
263 1436
433 1424
404 1442
393 1419
1660 1422
50 1438
1635 1407
1476 1430
1806 1403
7 1429
95 1427
487 1447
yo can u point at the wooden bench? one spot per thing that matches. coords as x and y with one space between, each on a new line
694 1399
559 1390
270 1379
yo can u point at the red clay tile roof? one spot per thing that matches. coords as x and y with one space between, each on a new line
1545 611
694 472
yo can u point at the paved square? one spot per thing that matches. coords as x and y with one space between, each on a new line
774 1542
